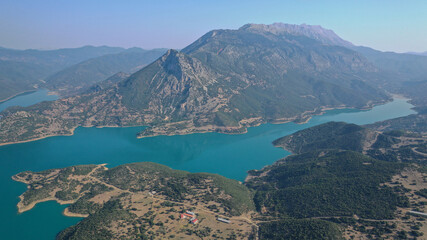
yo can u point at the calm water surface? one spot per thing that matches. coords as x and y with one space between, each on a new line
27 99
228 155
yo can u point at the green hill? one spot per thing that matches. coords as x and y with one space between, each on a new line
299 229
392 140
331 135
351 177
335 183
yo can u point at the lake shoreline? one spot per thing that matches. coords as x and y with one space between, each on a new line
67 213
23 208
17 95
36 139
303 118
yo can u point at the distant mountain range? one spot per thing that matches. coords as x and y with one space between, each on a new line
56 59
404 74
418 53
225 81
82 75
66 69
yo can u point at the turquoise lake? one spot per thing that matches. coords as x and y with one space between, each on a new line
228 155
27 99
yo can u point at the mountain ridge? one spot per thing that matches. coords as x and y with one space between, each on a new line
225 81
316 32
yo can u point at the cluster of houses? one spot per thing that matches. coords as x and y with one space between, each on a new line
191 216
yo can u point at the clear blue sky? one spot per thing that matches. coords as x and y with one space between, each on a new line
391 25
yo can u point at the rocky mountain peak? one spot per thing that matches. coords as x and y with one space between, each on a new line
171 62
170 53
174 57
316 32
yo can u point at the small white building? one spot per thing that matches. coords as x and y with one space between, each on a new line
191 213
418 213
223 220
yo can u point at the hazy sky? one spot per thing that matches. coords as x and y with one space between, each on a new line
389 25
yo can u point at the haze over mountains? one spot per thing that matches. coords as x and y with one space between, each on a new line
89 72
22 70
418 53
66 69
225 81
